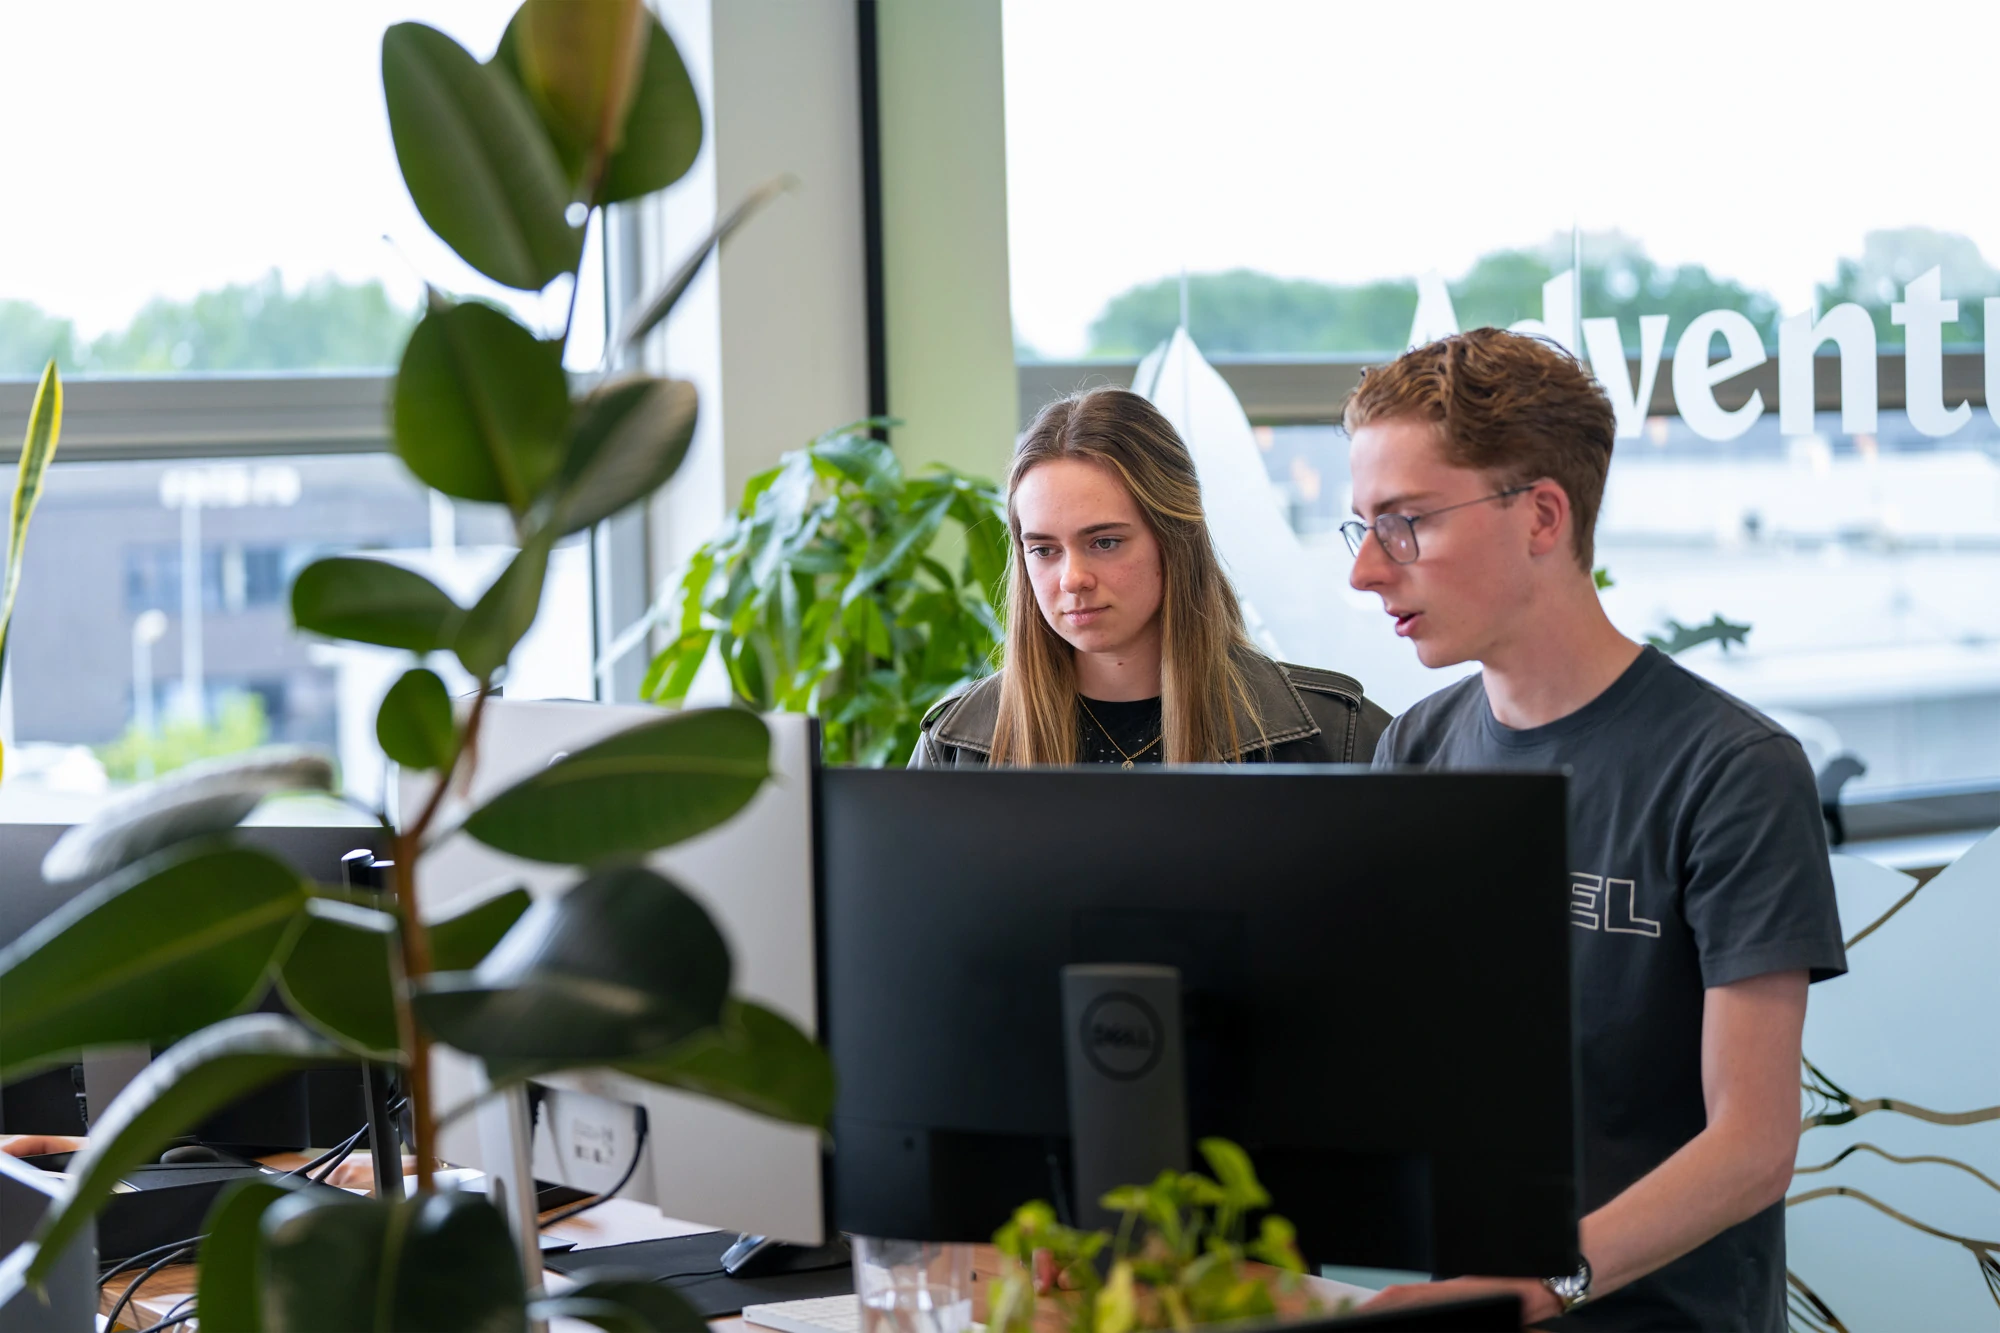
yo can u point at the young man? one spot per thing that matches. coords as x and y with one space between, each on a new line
1699 891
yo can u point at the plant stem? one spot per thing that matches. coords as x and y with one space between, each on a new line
417 950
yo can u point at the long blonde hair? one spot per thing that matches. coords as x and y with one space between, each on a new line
1201 626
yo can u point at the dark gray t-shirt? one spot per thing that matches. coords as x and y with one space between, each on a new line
1698 857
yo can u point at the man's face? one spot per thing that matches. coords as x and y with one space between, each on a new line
1471 580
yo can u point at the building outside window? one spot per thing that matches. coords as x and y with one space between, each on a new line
225 279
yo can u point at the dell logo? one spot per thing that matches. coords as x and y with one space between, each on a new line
1121 1036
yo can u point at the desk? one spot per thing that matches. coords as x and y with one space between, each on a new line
614 1222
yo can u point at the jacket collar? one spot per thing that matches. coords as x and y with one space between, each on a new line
968 722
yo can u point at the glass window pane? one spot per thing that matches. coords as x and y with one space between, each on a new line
1306 181
1306 164
210 186
119 666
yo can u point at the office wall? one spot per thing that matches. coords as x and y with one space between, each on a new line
944 232
775 334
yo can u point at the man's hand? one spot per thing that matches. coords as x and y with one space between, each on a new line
1537 1301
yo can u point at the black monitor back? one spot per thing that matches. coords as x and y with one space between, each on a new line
313 1108
1376 994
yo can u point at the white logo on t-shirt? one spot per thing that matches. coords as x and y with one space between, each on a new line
1597 903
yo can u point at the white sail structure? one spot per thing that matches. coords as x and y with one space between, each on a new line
1295 596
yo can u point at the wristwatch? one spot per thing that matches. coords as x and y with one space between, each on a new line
1572 1290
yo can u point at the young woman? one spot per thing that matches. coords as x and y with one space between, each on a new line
1125 644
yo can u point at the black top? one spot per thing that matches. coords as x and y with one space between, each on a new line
1698 858
1133 724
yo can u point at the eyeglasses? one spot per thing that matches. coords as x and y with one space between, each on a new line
1398 532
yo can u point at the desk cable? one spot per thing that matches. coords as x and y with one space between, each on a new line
631 1168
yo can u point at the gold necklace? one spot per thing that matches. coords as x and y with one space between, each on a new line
1128 758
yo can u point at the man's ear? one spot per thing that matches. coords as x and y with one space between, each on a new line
1549 530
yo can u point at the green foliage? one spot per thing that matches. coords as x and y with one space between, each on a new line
373 601
825 595
459 943
480 168
189 1082
1179 1257
227 1287
340 976
480 407
645 787
184 927
414 725
180 939
443 1262
1890 259
622 966
238 725
326 324
1242 311
1679 638
44 429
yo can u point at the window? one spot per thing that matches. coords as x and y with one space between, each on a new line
1310 186
118 670
219 193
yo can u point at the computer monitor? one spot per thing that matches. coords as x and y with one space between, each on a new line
1375 983
312 1108
703 1161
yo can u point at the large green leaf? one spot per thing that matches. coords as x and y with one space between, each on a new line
340 976
231 1257
452 1267
435 1263
626 439
623 965
480 406
580 61
459 943
373 601
662 130
184 1086
477 162
414 723
44 429
642 789
622 1303
506 610
755 1059
323 1261
647 317
176 941
192 802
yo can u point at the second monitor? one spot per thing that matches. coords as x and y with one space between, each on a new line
1375 994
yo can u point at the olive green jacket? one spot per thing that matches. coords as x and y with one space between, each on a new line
1307 716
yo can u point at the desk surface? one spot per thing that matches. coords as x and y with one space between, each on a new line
614 1222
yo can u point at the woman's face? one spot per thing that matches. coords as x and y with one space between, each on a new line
1094 563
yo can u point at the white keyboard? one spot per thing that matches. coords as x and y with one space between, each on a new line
823 1314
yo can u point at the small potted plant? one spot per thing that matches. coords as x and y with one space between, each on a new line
1182 1257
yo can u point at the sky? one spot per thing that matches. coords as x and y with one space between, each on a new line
163 149
1346 141
170 148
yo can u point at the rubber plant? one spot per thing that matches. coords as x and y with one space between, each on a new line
44 429
825 595
183 930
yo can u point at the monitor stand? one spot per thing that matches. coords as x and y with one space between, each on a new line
1127 1079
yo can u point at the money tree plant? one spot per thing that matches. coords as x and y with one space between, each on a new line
183 930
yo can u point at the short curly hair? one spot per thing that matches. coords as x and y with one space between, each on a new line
1516 407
